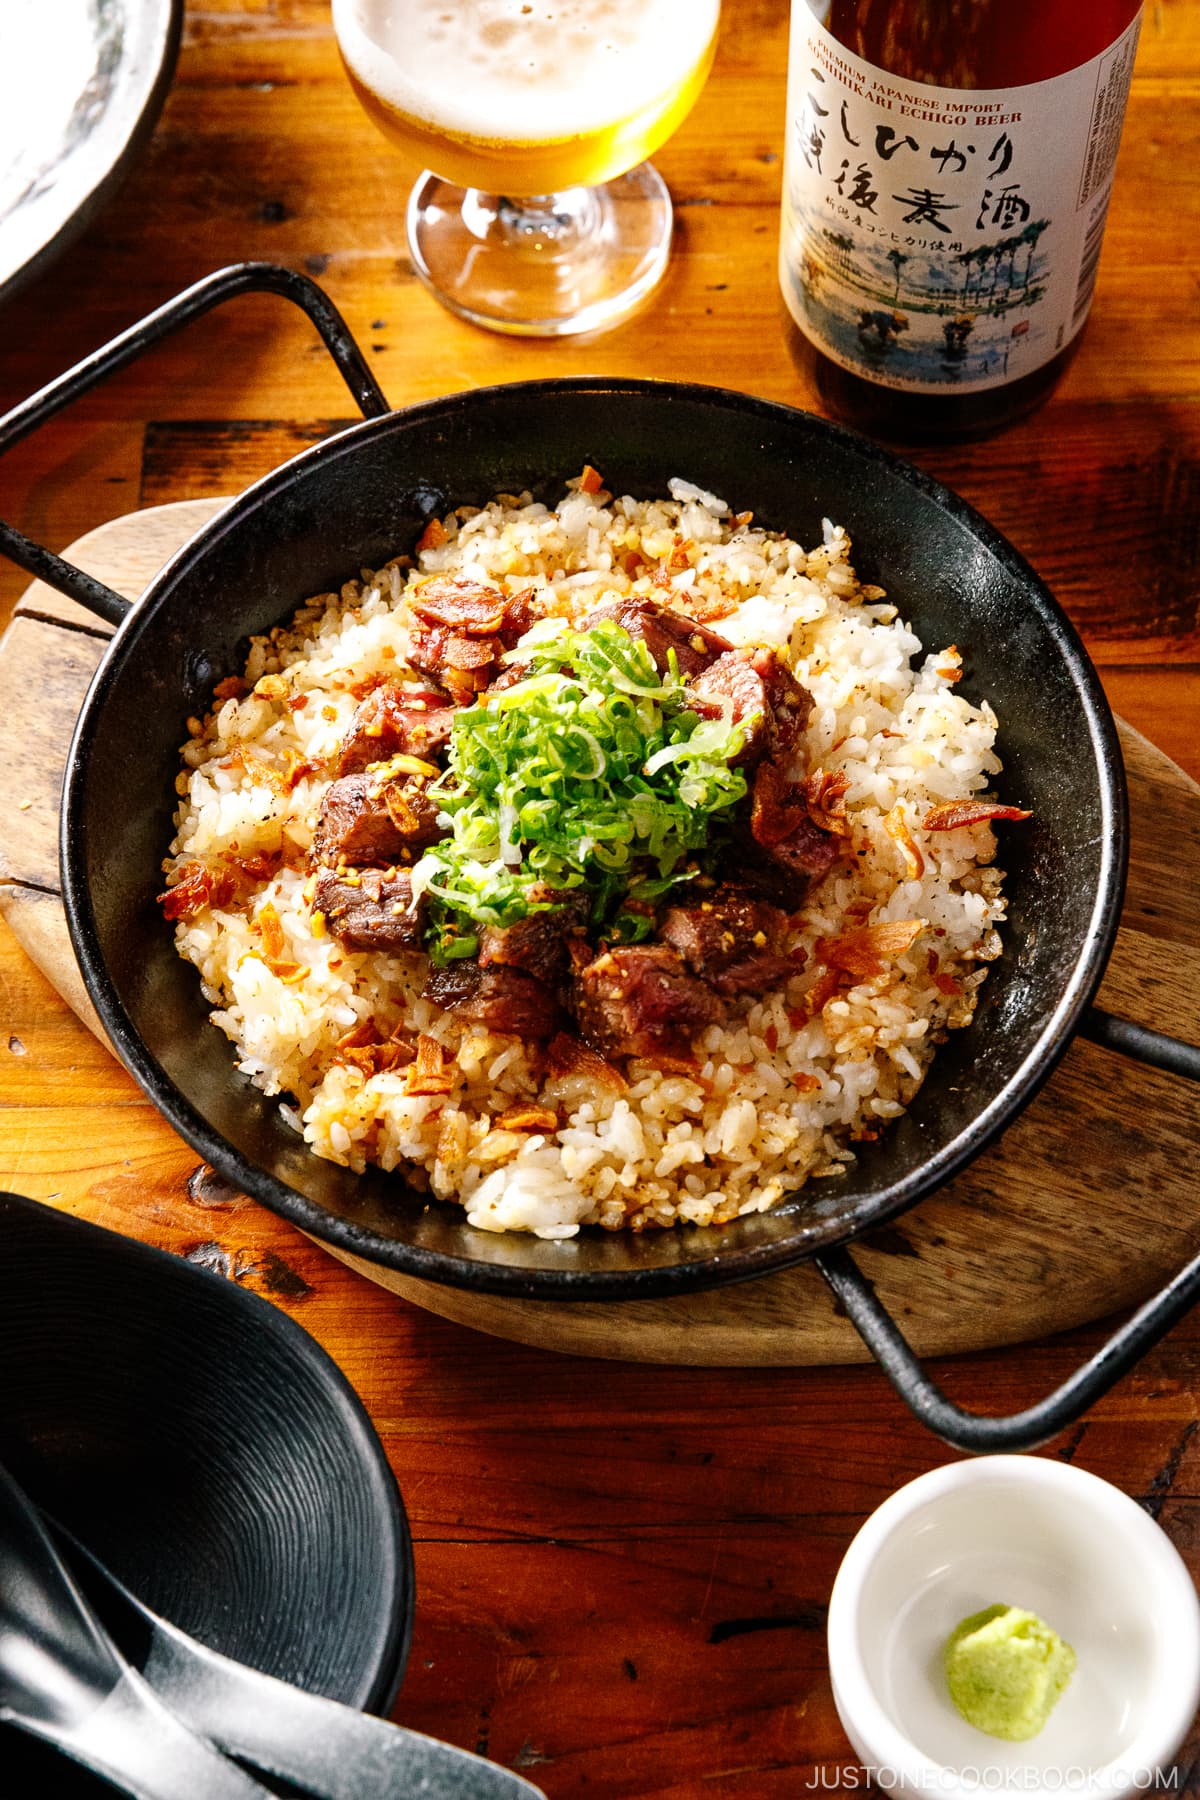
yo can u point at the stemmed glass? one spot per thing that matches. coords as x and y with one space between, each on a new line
542 217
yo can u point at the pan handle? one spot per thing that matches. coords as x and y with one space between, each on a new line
1014 1431
1154 1047
212 290
1045 1419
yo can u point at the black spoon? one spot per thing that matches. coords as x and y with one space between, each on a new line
63 1679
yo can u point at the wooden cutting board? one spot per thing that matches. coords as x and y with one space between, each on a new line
1088 1203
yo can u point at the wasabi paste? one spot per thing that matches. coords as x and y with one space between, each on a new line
1006 1670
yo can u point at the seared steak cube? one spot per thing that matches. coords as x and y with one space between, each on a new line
780 849
370 818
470 607
395 721
465 628
730 939
765 695
501 999
639 1000
662 631
462 663
784 873
538 942
370 909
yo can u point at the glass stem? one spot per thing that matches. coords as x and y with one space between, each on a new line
548 221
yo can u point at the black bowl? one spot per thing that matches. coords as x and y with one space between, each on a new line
207 1450
365 495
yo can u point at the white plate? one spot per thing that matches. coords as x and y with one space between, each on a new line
81 84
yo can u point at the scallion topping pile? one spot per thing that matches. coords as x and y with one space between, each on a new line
591 773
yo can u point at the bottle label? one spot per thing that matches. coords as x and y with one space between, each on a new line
943 238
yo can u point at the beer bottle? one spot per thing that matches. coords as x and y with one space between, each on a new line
947 174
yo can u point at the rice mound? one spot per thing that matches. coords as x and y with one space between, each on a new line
783 1089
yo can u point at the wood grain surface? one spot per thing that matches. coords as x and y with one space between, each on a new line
622 1569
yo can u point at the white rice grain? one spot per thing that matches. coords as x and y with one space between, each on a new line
783 1088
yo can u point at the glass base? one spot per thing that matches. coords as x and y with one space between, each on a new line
549 266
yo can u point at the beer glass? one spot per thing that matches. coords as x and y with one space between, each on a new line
536 214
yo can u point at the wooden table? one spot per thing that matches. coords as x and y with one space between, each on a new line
622 1570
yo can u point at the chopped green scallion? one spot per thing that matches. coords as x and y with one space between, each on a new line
592 773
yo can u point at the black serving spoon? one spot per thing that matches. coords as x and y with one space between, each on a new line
160 1733
63 1679
330 1751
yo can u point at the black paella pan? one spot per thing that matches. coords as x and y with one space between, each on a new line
363 496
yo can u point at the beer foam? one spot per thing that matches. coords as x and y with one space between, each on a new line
525 71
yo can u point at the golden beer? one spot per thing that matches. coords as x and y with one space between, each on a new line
527 98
